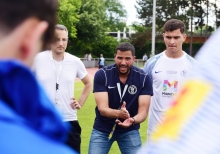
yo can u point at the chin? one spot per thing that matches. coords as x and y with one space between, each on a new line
123 73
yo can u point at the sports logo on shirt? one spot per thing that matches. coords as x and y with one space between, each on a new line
184 72
169 88
132 89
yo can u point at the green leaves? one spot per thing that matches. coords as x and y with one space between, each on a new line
68 15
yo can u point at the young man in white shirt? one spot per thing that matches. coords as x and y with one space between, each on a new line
57 71
167 71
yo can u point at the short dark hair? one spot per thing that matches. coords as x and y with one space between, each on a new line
174 24
14 12
125 47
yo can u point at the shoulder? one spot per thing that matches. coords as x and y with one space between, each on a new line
43 54
155 57
190 59
109 68
69 56
71 59
137 70
151 62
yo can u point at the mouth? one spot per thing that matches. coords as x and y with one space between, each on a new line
123 68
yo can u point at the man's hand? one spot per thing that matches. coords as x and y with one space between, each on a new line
123 112
74 104
127 123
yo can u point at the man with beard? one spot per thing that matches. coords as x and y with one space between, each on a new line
122 93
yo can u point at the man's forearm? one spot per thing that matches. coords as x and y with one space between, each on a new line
85 93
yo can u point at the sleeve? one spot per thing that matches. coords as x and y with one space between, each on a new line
100 81
149 65
147 88
81 70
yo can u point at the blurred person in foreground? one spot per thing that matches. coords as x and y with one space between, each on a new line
122 94
28 121
192 124
57 71
167 70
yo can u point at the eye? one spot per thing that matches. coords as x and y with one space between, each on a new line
176 37
64 40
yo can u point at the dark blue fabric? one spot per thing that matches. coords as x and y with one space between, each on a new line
108 76
27 117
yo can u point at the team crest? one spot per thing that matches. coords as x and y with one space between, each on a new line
184 72
132 89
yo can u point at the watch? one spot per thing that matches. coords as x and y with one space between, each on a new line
133 121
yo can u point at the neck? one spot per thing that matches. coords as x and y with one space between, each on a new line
174 55
123 77
58 56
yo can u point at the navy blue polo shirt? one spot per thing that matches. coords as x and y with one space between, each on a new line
106 80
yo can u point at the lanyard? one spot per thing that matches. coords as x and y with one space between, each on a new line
58 75
119 91
121 97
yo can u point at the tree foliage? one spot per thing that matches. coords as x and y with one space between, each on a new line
68 15
91 20
179 9
116 15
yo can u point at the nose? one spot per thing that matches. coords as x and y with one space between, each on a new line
123 61
172 41
60 42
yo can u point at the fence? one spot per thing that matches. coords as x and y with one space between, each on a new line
108 61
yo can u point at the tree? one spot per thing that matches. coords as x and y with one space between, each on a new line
165 10
140 39
92 18
68 15
116 15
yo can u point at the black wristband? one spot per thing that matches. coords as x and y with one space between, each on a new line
133 121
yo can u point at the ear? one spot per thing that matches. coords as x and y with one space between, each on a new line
31 42
134 57
184 37
19 43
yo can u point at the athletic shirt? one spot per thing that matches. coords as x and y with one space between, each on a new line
106 80
167 75
46 68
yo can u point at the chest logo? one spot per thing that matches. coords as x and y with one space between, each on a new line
184 72
132 89
157 72
109 87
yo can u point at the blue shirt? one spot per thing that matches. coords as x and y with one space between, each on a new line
29 122
102 61
106 80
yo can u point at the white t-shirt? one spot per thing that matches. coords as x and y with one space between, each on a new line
167 76
46 70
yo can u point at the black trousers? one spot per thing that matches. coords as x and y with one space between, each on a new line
100 66
74 136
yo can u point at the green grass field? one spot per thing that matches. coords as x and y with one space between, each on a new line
86 117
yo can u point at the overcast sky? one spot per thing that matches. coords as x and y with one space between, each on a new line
131 11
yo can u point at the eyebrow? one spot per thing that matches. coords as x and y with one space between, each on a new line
175 37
